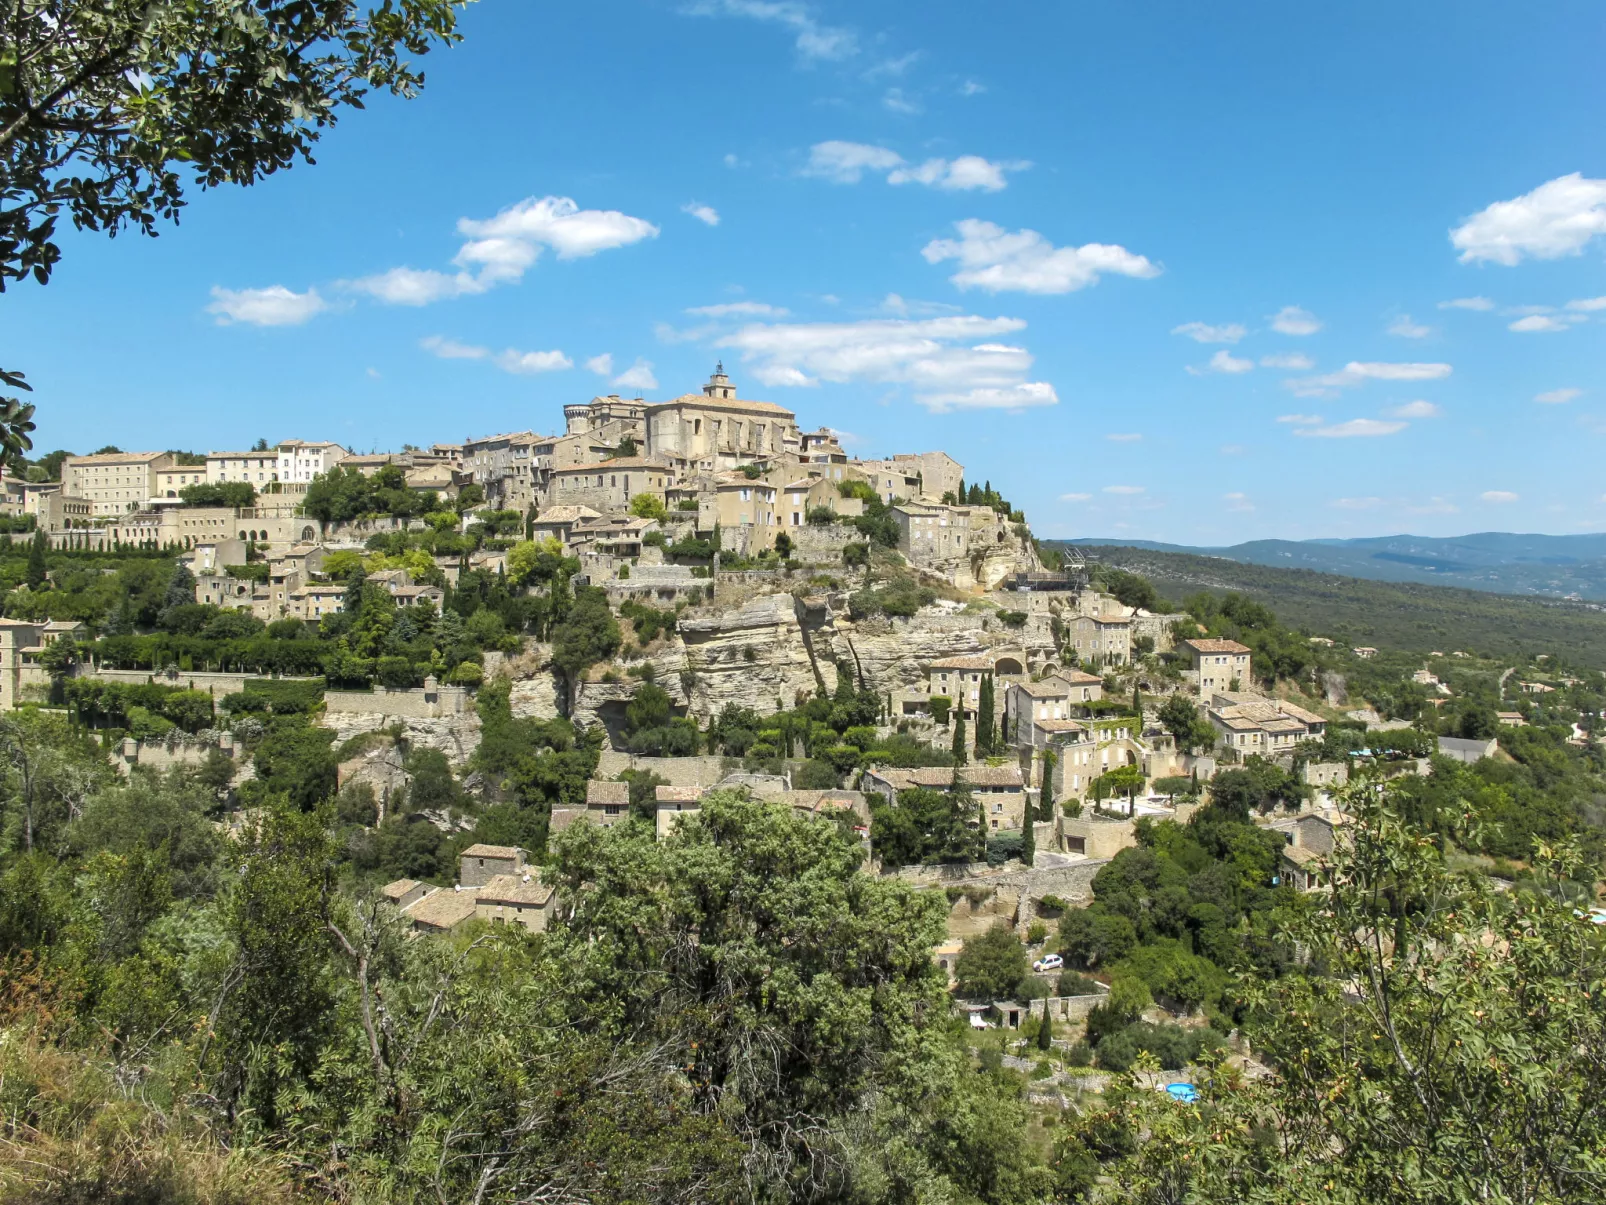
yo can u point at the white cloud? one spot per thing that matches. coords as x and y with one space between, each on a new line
971 88
637 376
1588 304
1123 489
731 160
1356 427
1467 303
1417 409
894 101
1301 420
1498 496
528 363
1357 503
500 250
901 307
1291 320
846 162
725 309
1225 361
1238 502
1124 437
1539 324
706 214
1558 218
893 67
1556 397
814 41
450 349
964 174
949 363
1075 497
1404 328
272 306
1203 332
601 365
997 260
1294 360
1358 372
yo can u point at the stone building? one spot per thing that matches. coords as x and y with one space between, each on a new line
610 485
114 483
716 430
1219 664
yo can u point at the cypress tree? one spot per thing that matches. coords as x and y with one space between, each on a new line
36 562
961 755
984 717
1045 1032
1028 839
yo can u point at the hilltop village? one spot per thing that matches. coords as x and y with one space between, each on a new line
673 598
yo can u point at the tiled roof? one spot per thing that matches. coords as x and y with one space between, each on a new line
492 851
566 514
1059 726
394 891
443 909
986 663
599 793
1051 688
624 462
704 402
667 794
115 458
1216 646
1300 856
513 889
991 776
1077 677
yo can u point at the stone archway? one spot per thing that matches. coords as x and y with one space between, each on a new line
1008 664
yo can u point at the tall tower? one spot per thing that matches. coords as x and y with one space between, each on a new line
719 385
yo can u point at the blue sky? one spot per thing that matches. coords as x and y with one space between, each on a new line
1165 271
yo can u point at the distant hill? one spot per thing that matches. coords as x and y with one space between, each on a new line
1495 561
1354 610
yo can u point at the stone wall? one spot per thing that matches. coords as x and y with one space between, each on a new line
163 755
428 702
214 683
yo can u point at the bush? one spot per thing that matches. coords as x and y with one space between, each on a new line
1172 1045
1072 984
1012 619
1002 846
1036 932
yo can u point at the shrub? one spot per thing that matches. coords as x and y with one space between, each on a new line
1012 619
1036 932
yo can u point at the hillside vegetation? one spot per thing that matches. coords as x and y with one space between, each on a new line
1402 615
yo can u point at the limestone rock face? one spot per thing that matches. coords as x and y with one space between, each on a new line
456 736
893 653
535 697
379 768
759 656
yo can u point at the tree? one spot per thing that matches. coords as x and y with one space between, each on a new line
648 506
1182 720
986 736
588 635
1449 1049
35 574
991 965
1045 1032
101 104
1127 780
1028 837
783 544
961 745
219 493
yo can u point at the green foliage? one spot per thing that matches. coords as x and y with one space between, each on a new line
224 493
342 494
588 634
925 827
991 965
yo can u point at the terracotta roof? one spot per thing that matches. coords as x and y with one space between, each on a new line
442 909
115 458
513 889
566 514
991 776
600 793
1049 688
1059 726
1077 677
492 851
986 663
1216 646
1300 856
394 891
678 794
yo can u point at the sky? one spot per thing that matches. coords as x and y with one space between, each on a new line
1177 272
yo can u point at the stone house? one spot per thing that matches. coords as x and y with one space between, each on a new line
1219 664
257 468
1311 839
1000 791
515 899
672 804
1102 635
1251 724
959 678
937 473
610 485
930 534
301 461
479 864
607 803
557 522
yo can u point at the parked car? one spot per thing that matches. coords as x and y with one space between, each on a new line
1048 962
